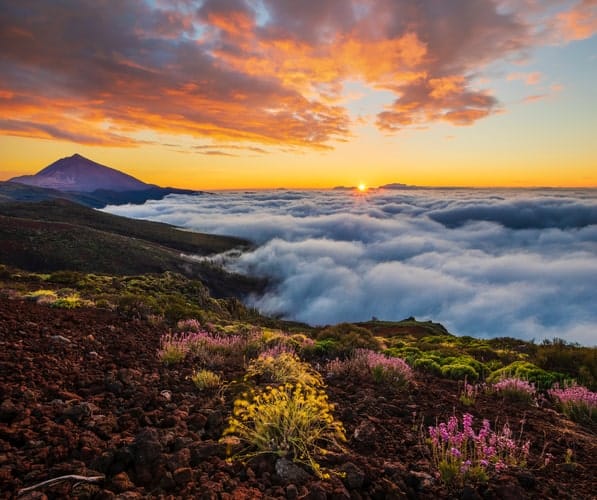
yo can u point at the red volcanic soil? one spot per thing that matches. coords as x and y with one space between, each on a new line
83 393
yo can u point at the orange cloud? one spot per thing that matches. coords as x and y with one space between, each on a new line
442 87
580 22
528 78
535 97
230 71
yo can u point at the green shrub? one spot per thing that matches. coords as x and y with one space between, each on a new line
477 366
42 296
136 306
69 302
324 347
527 371
459 371
434 339
428 365
410 354
565 357
206 380
66 277
349 337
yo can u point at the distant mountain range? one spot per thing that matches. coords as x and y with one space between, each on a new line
394 185
84 181
398 185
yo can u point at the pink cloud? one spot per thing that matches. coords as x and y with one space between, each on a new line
579 22
88 72
528 78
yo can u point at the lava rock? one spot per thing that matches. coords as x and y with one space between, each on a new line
8 411
290 472
147 448
354 476
182 476
121 483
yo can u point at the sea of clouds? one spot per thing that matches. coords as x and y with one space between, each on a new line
520 263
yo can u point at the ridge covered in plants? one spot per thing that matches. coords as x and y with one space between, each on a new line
242 404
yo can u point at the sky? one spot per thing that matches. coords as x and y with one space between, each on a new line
484 263
219 94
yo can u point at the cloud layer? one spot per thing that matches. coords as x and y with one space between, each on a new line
484 263
259 71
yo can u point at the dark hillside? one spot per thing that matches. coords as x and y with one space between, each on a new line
155 232
59 235
14 191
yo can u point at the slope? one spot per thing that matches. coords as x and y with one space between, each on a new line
61 235
77 173
60 210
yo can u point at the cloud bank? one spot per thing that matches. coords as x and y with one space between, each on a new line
267 72
483 263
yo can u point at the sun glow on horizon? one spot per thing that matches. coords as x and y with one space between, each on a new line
284 96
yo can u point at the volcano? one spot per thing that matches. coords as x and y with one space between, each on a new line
79 174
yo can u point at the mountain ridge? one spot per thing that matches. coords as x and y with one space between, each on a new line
83 181
79 174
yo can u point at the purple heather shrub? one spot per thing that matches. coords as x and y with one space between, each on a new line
174 347
515 388
276 351
461 454
211 349
576 401
469 393
394 371
366 363
205 347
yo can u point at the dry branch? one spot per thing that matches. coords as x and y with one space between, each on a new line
86 479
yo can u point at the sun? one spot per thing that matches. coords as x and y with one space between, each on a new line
362 187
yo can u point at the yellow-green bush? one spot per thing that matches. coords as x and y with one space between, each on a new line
42 296
427 365
282 367
71 301
459 371
291 420
206 380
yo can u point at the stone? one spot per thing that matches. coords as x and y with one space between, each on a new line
147 447
317 492
182 476
420 480
365 433
354 477
469 493
290 472
526 480
205 450
121 483
8 411
291 492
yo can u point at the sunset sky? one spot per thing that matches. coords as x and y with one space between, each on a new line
285 93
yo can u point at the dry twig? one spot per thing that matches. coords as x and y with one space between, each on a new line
74 477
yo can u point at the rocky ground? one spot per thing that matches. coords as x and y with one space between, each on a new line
83 393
